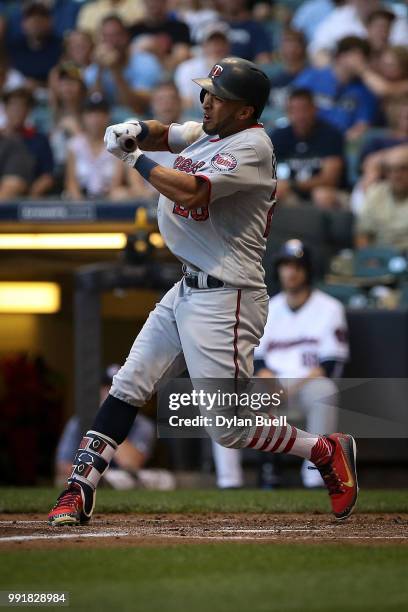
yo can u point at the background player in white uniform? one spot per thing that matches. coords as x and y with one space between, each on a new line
214 214
305 343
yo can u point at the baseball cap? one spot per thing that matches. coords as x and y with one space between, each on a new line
96 102
293 250
218 28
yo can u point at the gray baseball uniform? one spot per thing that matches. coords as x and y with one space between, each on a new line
211 331
227 238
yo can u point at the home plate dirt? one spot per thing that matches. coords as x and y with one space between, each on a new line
31 530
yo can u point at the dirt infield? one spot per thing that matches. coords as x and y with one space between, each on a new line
31 530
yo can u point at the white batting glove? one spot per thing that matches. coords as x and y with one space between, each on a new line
112 135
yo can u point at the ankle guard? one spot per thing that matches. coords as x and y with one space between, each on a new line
91 461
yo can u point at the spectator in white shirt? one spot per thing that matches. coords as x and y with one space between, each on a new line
351 20
90 169
10 79
215 46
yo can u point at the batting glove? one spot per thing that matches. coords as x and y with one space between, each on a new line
112 135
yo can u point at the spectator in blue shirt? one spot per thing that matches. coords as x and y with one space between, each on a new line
248 38
310 155
36 49
64 14
162 34
123 76
18 105
340 95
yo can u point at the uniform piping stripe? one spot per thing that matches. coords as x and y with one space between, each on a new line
269 219
291 442
268 439
256 436
273 438
279 440
236 333
265 438
285 439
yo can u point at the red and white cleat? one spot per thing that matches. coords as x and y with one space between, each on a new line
69 509
340 475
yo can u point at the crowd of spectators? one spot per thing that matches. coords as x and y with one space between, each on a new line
337 113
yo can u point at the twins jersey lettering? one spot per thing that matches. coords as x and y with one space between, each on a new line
295 342
227 238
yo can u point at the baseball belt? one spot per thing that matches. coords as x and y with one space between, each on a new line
201 280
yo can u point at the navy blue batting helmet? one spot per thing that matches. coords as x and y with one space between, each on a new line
295 250
234 78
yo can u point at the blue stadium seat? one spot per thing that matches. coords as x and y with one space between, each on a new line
378 261
344 293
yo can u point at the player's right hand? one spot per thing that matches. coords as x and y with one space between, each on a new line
114 132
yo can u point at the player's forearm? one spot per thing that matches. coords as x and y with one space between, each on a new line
188 191
156 136
381 86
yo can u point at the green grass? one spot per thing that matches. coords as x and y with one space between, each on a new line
292 500
217 577
213 577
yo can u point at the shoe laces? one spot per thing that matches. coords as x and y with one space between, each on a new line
331 478
69 496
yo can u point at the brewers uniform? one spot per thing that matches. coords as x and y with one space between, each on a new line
297 341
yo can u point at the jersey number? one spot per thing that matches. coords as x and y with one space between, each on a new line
199 214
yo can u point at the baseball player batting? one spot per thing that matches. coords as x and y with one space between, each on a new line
214 213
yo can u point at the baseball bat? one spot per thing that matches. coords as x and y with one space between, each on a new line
127 143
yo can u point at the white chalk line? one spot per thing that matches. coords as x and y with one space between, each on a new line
231 533
13 522
114 534
310 537
64 536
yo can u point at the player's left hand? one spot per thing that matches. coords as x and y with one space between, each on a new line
113 134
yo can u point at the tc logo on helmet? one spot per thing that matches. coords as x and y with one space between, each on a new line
216 71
